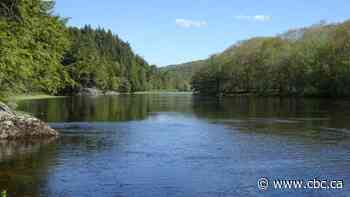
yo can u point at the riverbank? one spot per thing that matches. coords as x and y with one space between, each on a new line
34 96
30 97
162 92
12 100
98 92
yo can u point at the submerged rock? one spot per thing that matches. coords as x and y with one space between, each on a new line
20 126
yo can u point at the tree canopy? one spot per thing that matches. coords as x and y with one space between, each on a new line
98 58
32 44
316 63
39 53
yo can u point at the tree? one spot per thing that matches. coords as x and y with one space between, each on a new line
313 63
32 45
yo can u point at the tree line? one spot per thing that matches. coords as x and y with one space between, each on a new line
40 53
311 62
98 58
179 76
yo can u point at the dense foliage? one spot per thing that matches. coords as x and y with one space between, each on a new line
179 76
316 62
98 58
32 44
39 53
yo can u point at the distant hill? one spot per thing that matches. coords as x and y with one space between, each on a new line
184 72
179 76
296 34
312 61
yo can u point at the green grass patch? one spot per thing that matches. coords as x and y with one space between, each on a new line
31 97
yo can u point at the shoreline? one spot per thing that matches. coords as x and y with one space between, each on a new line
232 95
13 99
22 97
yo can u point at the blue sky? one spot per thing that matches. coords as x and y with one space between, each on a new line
169 32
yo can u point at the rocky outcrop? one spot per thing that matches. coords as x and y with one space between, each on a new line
4 108
21 126
111 93
89 92
95 92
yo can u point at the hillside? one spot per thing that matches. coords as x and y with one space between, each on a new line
99 58
40 53
180 75
307 62
183 73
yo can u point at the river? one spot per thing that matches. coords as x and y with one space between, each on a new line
179 145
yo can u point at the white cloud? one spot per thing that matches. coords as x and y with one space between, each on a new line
186 23
258 18
262 18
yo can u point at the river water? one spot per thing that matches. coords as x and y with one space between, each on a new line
179 145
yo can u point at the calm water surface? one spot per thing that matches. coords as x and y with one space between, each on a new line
178 145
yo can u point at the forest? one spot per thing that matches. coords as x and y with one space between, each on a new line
312 61
40 53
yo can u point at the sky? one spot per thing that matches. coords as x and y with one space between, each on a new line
167 32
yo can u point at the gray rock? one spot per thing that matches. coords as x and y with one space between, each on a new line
5 108
95 92
90 92
111 93
21 126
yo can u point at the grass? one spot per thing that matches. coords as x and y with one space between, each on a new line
12 101
30 97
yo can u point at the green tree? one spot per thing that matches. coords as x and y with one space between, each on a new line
32 45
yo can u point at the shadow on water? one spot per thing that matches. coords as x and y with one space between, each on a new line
25 165
294 116
105 108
